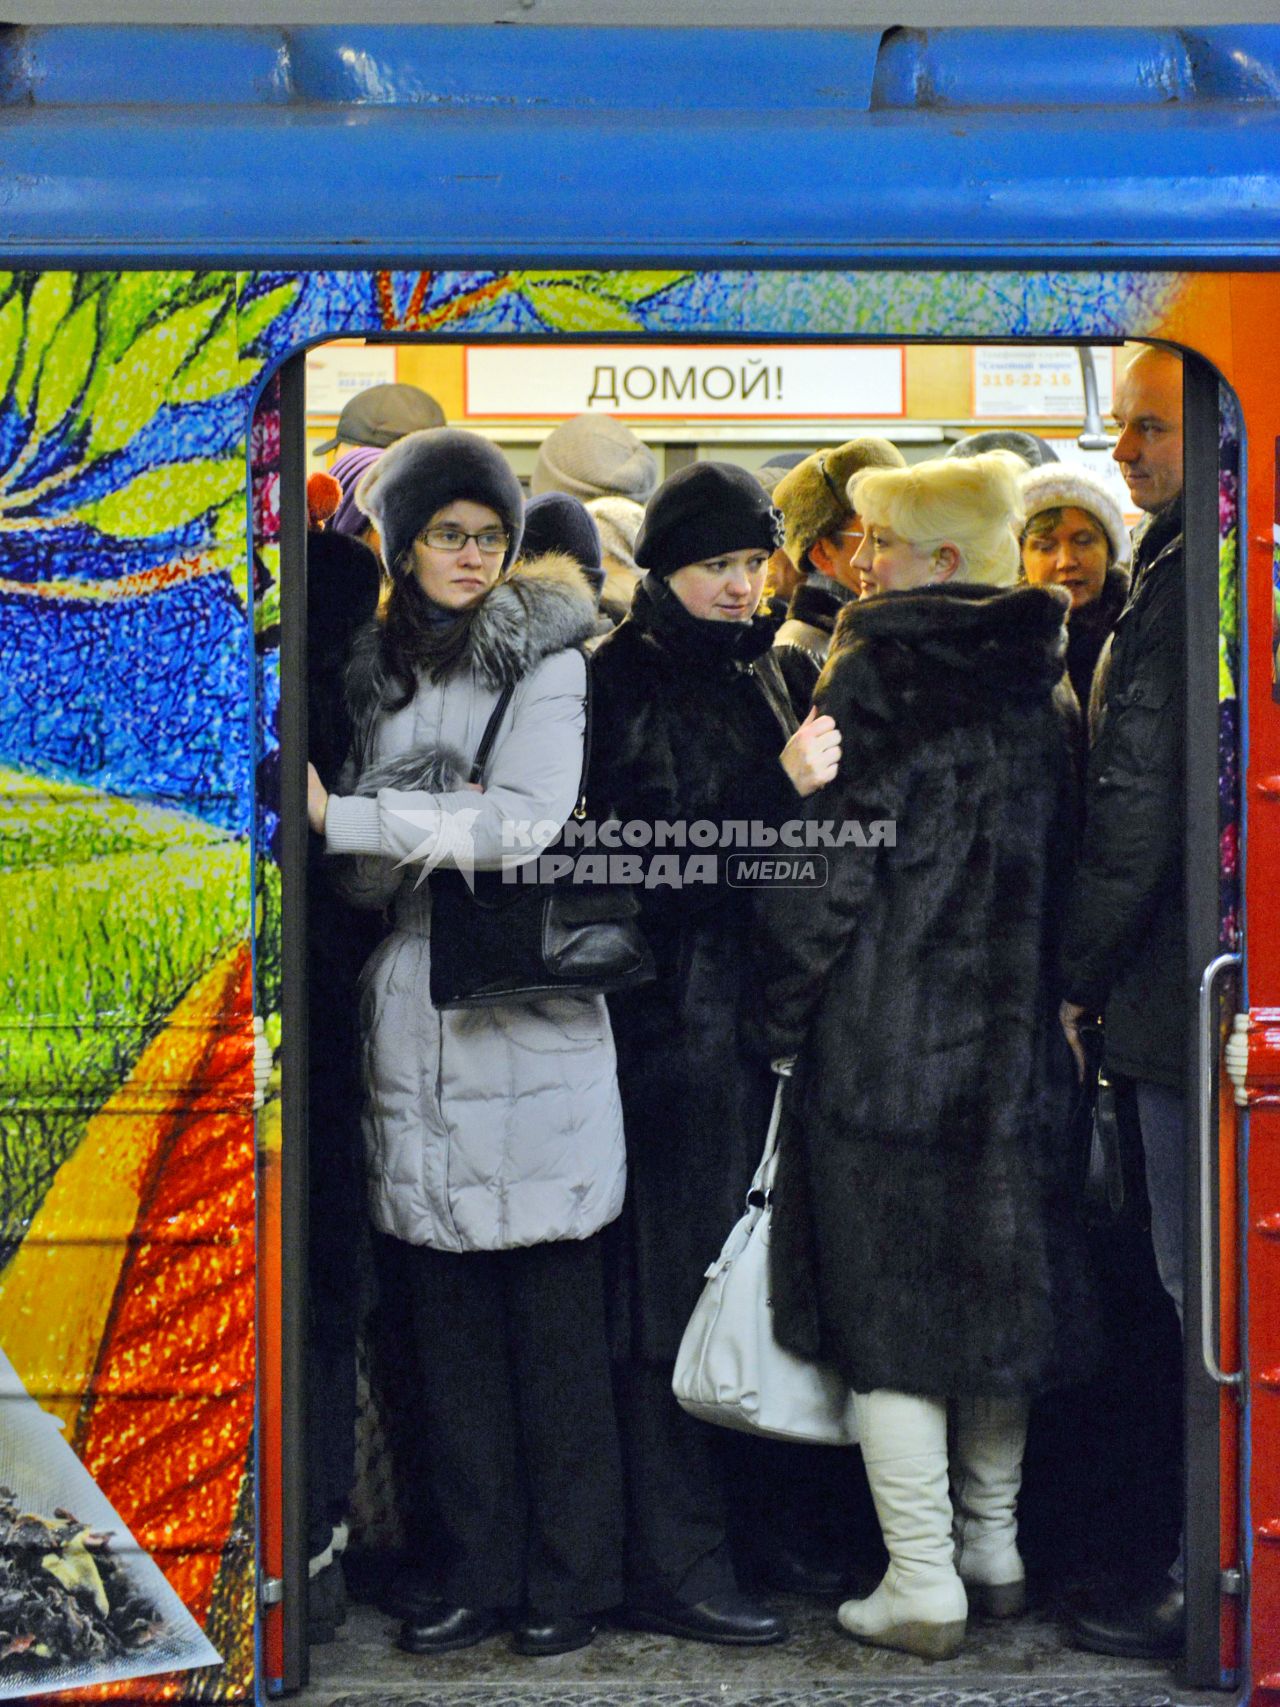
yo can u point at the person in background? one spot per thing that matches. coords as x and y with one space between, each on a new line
1074 537
618 522
1029 446
923 1236
382 414
343 578
822 536
493 1135
692 722
556 522
350 520
1124 951
594 456
782 577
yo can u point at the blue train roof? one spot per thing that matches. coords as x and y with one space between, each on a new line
457 145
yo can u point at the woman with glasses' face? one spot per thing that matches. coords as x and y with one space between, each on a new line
458 555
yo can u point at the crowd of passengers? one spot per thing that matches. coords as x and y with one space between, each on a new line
843 638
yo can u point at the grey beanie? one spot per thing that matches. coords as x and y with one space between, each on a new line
423 472
594 456
1033 450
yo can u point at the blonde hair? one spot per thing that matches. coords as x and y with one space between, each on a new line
972 503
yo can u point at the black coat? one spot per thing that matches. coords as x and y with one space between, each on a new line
924 1238
1088 629
1124 948
688 720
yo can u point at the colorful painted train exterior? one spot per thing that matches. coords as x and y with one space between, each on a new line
179 219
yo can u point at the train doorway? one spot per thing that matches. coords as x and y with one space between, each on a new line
1196 1451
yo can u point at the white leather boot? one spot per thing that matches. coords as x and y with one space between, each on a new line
986 1475
920 1605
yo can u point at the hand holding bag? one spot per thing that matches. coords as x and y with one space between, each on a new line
730 1369
494 941
1096 1138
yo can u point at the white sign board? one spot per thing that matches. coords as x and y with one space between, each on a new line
686 382
1039 381
337 372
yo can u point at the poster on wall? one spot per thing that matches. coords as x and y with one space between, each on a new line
1037 382
339 371
80 1601
690 382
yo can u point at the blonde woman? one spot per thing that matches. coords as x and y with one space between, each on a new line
923 1239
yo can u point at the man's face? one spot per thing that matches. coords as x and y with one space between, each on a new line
1148 412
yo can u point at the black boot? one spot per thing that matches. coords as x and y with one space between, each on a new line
446 1628
1145 1626
541 1633
731 1619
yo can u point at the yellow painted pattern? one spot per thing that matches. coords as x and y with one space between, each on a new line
57 1293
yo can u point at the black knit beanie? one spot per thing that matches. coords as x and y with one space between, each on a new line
705 510
423 472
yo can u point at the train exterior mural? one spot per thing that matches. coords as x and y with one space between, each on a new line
139 691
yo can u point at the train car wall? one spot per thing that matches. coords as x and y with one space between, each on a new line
139 692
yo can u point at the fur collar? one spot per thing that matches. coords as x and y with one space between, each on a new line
543 607
964 640
819 601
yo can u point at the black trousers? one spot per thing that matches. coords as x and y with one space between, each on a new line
676 1521
520 1432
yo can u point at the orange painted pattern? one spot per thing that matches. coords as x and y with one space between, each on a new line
167 1429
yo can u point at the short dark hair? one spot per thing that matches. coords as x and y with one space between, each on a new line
1045 520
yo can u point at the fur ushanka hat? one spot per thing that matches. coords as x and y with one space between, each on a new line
705 510
813 497
423 472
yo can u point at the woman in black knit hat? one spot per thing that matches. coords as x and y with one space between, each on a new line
692 722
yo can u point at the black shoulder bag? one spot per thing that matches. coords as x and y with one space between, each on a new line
513 941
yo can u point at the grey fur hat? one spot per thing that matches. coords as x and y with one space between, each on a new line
594 456
423 472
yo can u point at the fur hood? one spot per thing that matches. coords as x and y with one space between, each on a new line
542 607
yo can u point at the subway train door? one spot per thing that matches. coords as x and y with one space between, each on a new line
1214 1570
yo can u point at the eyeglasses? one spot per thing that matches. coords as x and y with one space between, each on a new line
491 542
857 535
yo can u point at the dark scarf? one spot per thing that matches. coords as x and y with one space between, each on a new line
726 647
1087 631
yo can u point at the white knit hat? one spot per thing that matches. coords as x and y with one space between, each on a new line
1063 485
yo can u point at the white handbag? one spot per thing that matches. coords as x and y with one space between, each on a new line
730 1370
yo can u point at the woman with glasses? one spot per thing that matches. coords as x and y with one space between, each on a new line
493 1135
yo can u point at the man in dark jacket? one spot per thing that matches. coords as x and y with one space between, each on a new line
1125 941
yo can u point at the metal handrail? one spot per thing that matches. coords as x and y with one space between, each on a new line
1208 1056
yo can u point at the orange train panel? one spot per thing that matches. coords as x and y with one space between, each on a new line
1256 312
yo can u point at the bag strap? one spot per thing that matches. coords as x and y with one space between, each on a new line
491 734
762 1181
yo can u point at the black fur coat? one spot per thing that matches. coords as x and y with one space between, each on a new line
924 1234
688 720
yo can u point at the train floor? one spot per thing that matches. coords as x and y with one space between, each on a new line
1018 1663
